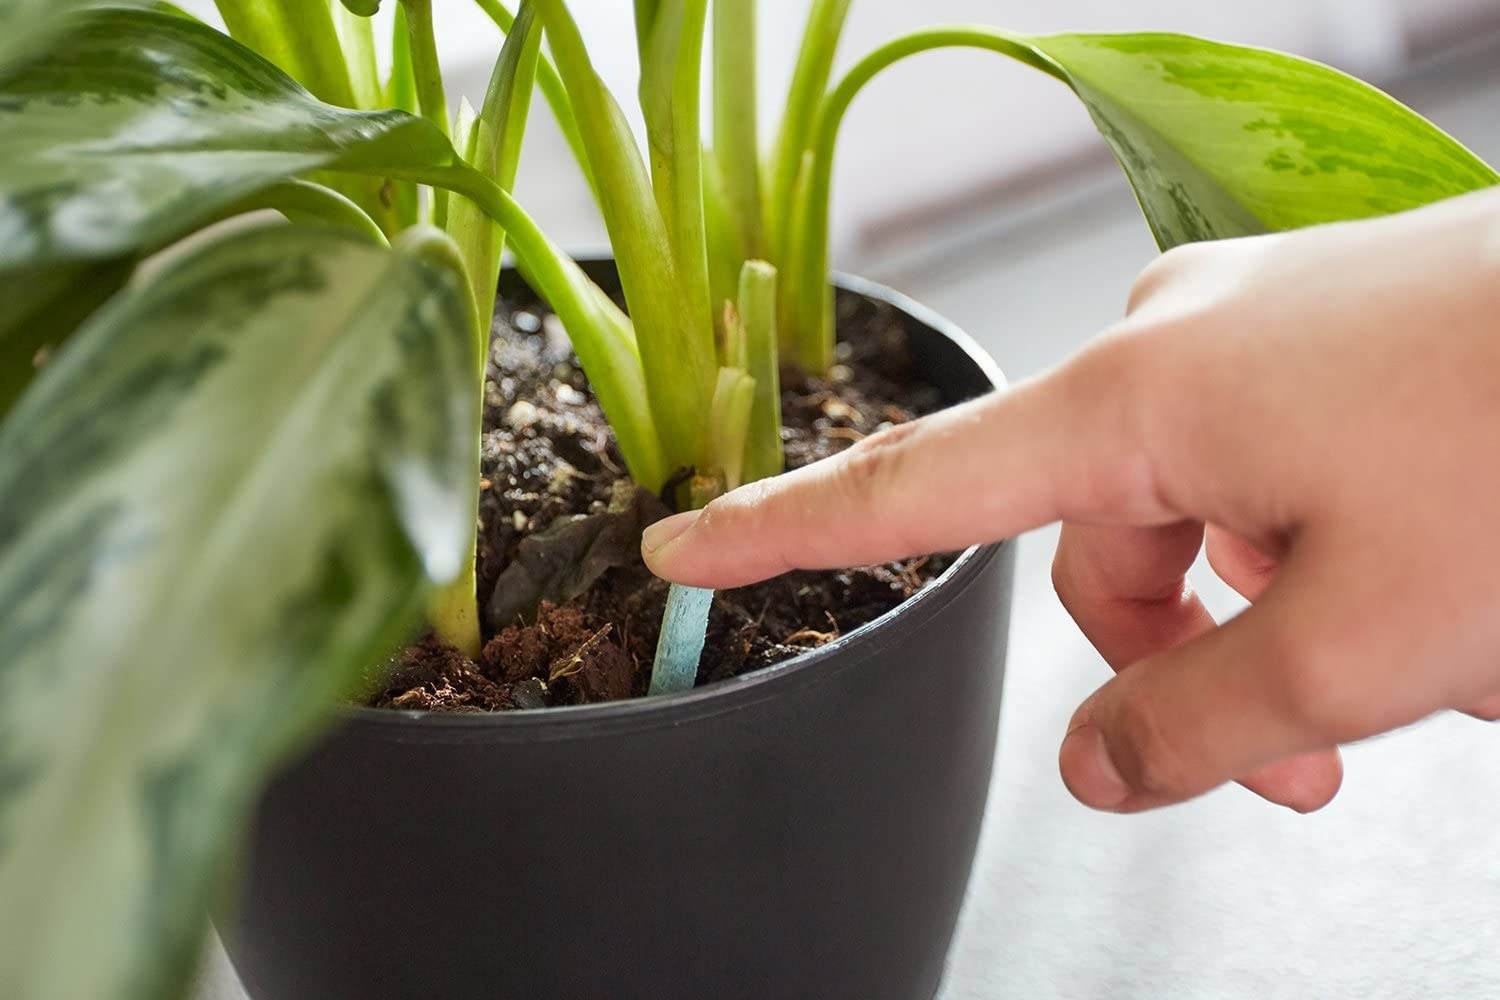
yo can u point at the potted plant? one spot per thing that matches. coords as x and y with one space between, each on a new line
233 484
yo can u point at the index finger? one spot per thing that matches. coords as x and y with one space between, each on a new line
1060 446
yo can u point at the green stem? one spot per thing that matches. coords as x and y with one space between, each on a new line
454 609
757 312
807 293
300 201
427 69
401 87
671 39
726 245
729 424
676 340
304 201
254 25
297 35
736 120
825 23
602 335
427 73
357 37
401 92
551 86
495 151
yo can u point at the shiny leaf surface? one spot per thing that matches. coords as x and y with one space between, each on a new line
219 504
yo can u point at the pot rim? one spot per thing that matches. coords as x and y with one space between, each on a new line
732 694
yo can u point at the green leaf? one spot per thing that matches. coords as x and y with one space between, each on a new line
219 504
41 309
146 126
28 27
1224 140
1218 141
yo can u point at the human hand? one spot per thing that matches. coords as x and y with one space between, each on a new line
1323 407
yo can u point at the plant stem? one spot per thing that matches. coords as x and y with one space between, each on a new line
427 69
551 86
726 246
401 92
495 151
357 37
671 39
676 340
304 201
729 426
298 36
825 23
427 73
807 294
736 120
757 312
601 334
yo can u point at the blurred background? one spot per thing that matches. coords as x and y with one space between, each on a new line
980 188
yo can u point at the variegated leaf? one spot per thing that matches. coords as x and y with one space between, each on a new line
27 27
145 126
220 502
1225 140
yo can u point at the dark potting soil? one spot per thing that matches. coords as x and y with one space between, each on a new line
560 520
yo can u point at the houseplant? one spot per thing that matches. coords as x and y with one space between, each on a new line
250 475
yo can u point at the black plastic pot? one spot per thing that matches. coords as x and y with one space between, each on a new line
804 832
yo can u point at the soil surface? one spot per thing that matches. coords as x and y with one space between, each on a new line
559 517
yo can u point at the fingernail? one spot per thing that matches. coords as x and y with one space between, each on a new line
1088 772
667 529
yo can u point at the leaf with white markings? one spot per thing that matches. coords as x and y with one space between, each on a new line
220 503
145 126
42 308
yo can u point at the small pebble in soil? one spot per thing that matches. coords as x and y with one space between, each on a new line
522 414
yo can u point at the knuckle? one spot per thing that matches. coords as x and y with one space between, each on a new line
1063 580
1115 388
1068 577
1152 763
875 461
1309 675
1163 273
1119 368
743 513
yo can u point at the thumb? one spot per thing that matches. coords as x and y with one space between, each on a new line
1270 685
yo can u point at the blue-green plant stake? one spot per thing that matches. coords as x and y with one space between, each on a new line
684 627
